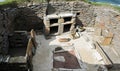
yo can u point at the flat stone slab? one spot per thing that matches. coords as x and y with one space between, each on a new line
70 60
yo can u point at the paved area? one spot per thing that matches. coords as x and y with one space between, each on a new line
89 58
110 20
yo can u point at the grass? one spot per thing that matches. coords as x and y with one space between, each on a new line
6 2
11 1
103 4
100 4
117 8
106 4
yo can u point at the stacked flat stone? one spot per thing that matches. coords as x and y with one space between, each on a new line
4 44
86 10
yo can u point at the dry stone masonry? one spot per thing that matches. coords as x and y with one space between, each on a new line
84 11
31 16
3 33
6 18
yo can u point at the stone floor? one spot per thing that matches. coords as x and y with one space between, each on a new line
88 58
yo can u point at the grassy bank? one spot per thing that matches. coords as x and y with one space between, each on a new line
106 4
11 1
103 4
6 2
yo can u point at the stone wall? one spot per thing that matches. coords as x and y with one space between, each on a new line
7 16
3 32
85 11
31 17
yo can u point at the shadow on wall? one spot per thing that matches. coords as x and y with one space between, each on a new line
78 23
27 20
50 9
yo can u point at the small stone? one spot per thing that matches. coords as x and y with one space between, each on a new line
59 58
93 45
1 39
1 16
64 39
101 68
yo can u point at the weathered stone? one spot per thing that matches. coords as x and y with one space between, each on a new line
1 16
59 58
30 17
1 39
2 31
87 11
64 39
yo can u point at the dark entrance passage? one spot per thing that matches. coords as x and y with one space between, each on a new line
53 29
67 27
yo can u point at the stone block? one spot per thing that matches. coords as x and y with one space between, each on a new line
1 39
59 58
1 16
61 20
